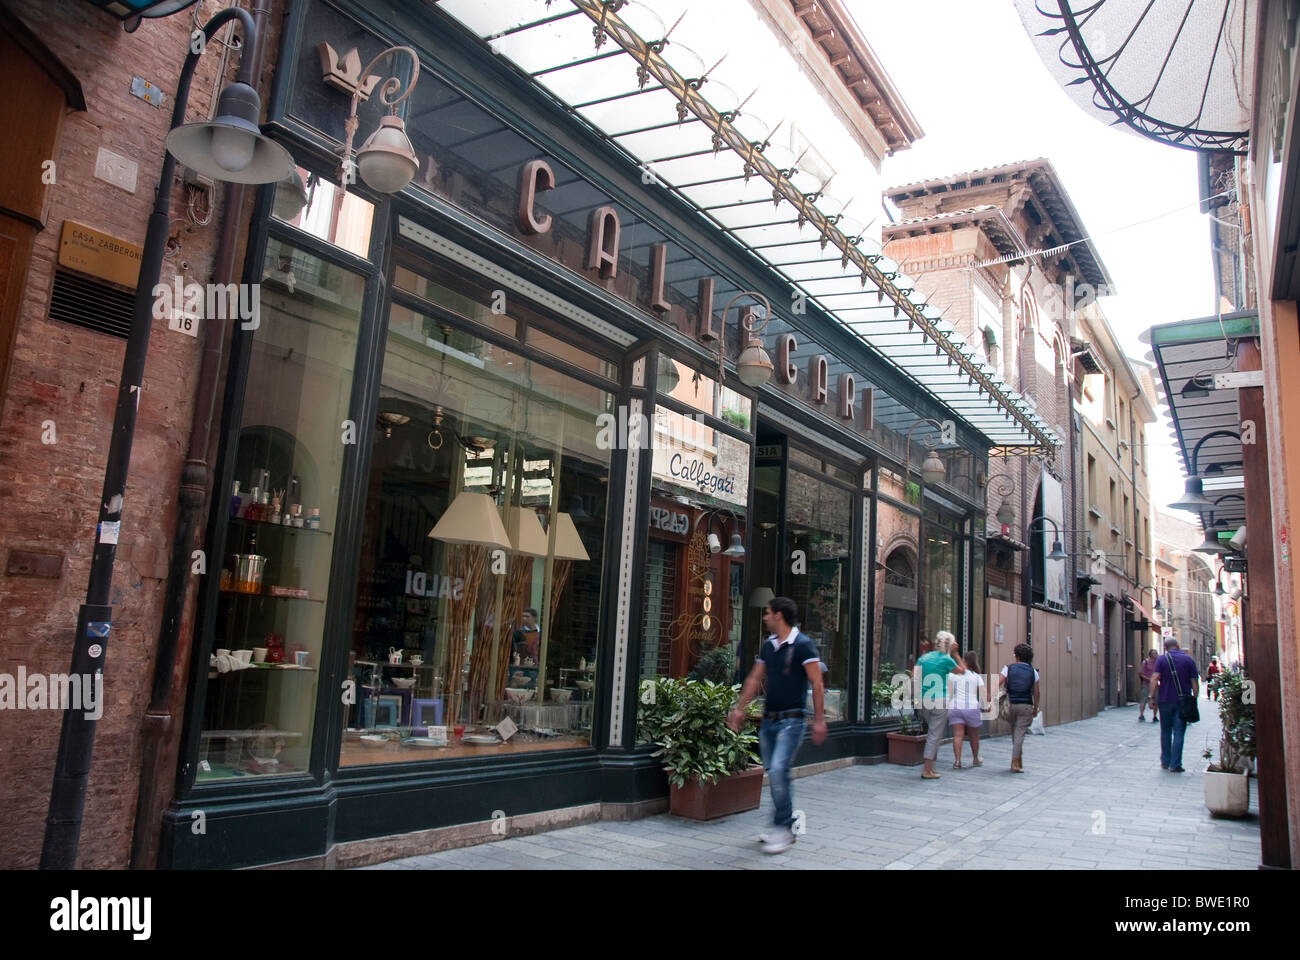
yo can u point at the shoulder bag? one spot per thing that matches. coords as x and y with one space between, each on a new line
1004 701
1187 708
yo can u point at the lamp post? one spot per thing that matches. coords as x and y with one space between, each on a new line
231 148
754 366
1006 514
932 469
386 161
1193 498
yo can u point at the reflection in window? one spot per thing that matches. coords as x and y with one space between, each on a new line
480 560
261 692
699 391
819 521
895 616
316 206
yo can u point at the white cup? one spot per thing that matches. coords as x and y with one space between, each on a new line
222 652
259 654
243 657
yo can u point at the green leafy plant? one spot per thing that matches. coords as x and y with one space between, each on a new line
718 665
909 725
912 491
737 418
687 720
1237 718
883 691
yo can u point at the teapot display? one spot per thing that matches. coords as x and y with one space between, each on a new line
394 655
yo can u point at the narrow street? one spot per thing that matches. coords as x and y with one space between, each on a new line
1093 797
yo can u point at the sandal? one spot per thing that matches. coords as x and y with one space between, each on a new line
929 776
957 765
977 762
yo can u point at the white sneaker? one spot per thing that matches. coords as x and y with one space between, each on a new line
778 841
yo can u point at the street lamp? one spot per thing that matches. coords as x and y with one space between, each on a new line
754 366
1006 514
231 148
1057 551
1193 498
1213 544
735 549
932 470
386 161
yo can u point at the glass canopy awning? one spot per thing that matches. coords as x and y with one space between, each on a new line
1206 419
1176 71
692 135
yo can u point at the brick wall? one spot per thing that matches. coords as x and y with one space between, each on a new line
49 495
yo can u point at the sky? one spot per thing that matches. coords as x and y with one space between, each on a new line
974 81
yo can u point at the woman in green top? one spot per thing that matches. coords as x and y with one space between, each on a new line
931 679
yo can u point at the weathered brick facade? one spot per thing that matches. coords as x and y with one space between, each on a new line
66 374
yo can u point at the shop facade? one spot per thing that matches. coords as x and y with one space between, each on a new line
484 469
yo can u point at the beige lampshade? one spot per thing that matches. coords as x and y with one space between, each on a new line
472 518
568 545
525 532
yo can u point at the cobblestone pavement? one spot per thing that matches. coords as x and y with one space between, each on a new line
1093 797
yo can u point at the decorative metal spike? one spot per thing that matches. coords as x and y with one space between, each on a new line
844 260
598 33
717 142
880 295
681 112
642 76
825 239
862 280
909 318
803 218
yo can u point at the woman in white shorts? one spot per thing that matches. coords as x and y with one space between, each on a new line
964 709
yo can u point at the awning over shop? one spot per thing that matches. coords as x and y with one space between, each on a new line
1176 71
612 66
1207 424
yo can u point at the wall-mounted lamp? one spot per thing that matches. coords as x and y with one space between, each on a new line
1057 552
386 161
932 469
754 366
736 548
1006 514
1193 498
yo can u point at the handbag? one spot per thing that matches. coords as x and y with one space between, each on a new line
1004 705
1187 708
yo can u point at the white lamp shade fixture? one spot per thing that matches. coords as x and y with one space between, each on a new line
525 532
290 197
472 518
667 374
754 365
387 161
932 470
761 596
735 548
568 545
1193 498
1006 513
715 544
231 147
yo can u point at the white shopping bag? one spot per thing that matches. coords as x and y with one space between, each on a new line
1037 725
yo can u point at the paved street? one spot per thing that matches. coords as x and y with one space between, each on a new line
1093 796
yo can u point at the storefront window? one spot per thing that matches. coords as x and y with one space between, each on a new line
261 692
329 214
819 522
941 585
699 391
894 634
480 578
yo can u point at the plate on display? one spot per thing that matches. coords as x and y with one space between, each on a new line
422 742
480 740
374 740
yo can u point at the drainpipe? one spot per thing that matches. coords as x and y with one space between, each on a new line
158 732
1137 563
1026 586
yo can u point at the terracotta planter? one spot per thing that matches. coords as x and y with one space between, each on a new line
1227 794
906 748
734 794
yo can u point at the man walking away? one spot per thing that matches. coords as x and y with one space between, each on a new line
1176 672
1146 670
1212 671
790 662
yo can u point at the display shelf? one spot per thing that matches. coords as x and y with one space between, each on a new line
266 596
258 525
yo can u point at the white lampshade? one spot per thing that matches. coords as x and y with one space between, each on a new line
761 596
387 161
525 532
568 545
231 147
472 518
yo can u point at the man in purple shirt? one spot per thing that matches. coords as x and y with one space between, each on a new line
1175 672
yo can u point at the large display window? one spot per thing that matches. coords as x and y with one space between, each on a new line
896 615
260 704
475 629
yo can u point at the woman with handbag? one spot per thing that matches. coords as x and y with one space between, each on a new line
1019 685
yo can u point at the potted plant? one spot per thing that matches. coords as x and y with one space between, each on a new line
883 690
737 418
712 769
1227 783
907 744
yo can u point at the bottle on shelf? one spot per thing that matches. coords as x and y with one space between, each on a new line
236 501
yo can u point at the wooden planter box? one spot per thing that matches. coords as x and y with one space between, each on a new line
734 794
906 748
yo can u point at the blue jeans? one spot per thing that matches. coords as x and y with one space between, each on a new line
1172 727
778 741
